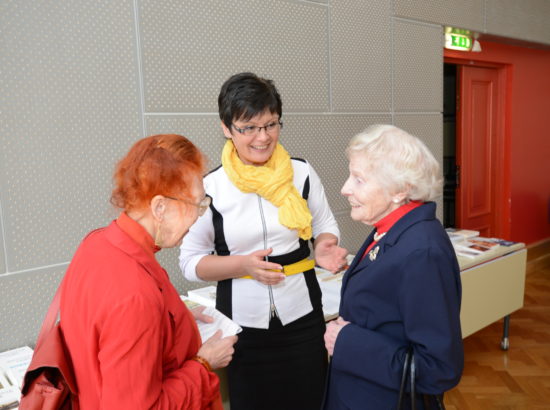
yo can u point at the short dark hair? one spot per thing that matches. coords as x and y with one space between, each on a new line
246 95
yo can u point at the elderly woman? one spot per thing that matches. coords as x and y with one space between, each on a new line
254 241
133 343
403 288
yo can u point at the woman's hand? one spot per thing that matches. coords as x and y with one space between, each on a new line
333 328
218 351
198 314
328 254
256 266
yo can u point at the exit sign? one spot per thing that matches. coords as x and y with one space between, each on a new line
458 39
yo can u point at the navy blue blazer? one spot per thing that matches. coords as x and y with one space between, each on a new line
408 295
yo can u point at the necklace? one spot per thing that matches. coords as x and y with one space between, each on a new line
378 236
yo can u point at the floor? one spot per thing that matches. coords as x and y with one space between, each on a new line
516 379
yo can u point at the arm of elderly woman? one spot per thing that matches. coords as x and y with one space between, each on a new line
131 356
333 328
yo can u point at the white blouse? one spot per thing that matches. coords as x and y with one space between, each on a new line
250 223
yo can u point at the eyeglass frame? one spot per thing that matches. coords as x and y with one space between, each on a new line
256 130
203 205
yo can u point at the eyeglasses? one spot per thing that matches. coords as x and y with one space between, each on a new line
202 205
252 130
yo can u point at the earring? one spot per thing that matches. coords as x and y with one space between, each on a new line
158 236
396 201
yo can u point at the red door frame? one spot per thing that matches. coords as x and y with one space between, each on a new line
503 145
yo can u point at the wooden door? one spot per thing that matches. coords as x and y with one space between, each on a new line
478 110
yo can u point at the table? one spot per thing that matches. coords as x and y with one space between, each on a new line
493 286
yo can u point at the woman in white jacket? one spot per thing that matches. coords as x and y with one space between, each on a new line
254 241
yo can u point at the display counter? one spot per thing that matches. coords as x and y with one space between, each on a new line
493 285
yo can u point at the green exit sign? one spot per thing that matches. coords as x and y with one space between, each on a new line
458 39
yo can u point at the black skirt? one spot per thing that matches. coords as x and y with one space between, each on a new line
280 368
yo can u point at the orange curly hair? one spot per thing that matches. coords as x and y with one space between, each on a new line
157 165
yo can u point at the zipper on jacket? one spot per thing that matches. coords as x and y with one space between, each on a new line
273 309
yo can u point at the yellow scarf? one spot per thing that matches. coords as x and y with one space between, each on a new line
272 181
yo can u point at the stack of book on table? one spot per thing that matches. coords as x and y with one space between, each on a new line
13 365
469 244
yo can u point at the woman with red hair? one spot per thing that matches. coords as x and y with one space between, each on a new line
133 343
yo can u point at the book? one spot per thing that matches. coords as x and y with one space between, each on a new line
471 248
476 248
205 296
207 330
484 242
13 365
467 253
461 233
330 285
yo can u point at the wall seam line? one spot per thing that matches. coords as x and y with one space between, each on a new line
4 239
55 265
392 61
418 22
485 16
287 114
140 69
329 45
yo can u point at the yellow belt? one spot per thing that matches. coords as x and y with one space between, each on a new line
293 268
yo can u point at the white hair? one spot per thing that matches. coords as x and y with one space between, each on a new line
399 161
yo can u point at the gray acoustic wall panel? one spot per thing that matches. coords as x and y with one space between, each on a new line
464 14
190 48
418 67
25 300
525 20
203 130
353 233
322 140
169 260
429 128
360 45
70 106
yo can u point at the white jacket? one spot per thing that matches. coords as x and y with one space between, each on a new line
250 223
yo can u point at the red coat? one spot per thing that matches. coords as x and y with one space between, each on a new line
128 333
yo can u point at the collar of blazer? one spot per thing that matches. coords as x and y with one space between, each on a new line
422 213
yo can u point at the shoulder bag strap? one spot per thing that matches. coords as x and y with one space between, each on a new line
51 317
